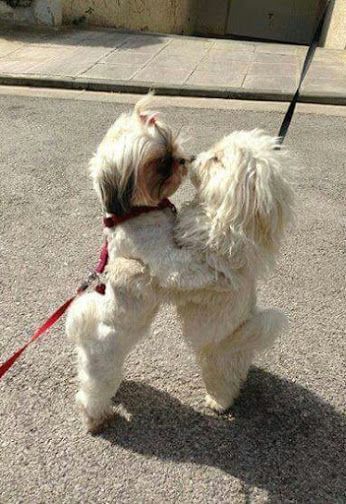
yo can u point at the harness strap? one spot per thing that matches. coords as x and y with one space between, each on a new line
114 220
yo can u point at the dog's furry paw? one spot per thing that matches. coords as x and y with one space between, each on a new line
95 426
95 423
211 403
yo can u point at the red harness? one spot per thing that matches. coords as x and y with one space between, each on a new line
109 222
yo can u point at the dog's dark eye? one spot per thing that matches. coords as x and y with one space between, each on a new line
164 166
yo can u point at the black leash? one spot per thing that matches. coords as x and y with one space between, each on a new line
308 58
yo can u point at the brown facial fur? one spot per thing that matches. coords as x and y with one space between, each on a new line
157 180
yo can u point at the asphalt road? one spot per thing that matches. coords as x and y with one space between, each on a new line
282 442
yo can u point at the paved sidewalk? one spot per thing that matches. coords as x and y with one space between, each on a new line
104 59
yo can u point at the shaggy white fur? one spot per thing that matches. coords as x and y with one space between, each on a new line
232 231
207 261
139 162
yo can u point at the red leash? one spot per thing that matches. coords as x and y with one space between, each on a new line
110 222
44 327
61 310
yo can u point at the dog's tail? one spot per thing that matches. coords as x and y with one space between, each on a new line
260 331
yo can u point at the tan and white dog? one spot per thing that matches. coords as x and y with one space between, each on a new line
207 260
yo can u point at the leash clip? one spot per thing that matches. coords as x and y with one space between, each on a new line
93 275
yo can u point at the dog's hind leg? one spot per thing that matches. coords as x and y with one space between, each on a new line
105 329
225 364
97 356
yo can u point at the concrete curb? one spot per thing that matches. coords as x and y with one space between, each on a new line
118 86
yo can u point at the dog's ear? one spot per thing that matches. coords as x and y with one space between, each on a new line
141 110
270 199
252 199
115 200
149 118
261 198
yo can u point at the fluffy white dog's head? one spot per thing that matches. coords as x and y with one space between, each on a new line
139 162
241 186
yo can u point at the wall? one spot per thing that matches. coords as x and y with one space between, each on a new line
247 18
166 16
334 34
279 20
211 17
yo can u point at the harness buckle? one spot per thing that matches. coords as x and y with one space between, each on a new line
93 275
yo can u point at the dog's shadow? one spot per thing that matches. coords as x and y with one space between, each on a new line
280 437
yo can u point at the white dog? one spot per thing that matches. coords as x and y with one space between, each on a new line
137 165
208 260
234 225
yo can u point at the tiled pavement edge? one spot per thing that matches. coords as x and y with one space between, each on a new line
108 60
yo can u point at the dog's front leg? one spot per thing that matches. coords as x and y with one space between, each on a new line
105 329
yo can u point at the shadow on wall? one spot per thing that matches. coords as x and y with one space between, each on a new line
281 437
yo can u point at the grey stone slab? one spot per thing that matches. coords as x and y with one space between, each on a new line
37 53
328 86
263 57
109 38
270 84
159 74
177 60
116 72
8 47
225 67
186 46
301 50
25 36
148 51
203 78
17 67
145 43
74 63
86 38
273 69
235 45
276 48
321 70
68 37
222 55
127 58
